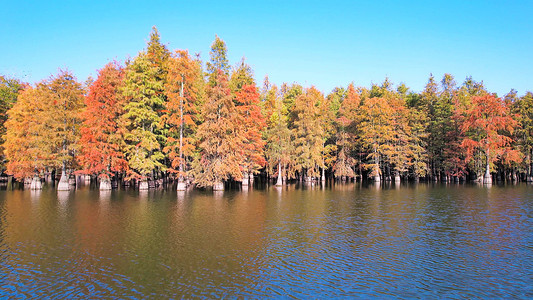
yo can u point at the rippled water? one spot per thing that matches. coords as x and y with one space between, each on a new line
409 241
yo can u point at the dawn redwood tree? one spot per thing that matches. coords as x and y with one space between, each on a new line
278 136
290 94
221 156
439 108
23 139
327 111
52 110
250 120
251 124
417 142
10 88
218 61
308 133
523 108
62 117
398 150
346 122
241 76
141 121
184 88
488 118
100 145
455 154
376 130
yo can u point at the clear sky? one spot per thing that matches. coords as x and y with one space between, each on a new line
321 43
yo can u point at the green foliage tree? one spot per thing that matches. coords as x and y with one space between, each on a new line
279 150
523 109
145 100
218 61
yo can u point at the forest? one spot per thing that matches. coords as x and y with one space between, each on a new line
164 116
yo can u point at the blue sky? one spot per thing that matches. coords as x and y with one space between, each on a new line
321 43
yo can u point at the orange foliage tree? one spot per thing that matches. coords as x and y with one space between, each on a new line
219 139
183 90
43 127
22 138
250 119
347 121
487 120
251 124
309 133
100 152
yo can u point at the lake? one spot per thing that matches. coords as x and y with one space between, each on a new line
337 241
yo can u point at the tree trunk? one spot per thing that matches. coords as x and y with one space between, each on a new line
63 184
487 179
72 180
529 175
376 174
280 180
218 186
105 184
245 178
182 186
36 183
143 185
251 177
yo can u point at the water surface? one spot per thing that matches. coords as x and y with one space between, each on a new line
408 241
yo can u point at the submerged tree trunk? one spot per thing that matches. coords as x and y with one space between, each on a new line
251 177
245 178
487 179
182 186
63 184
377 178
72 180
529 175
218 186
105 184
36 183
143 185
280 178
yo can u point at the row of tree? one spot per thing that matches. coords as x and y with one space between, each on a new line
163 117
